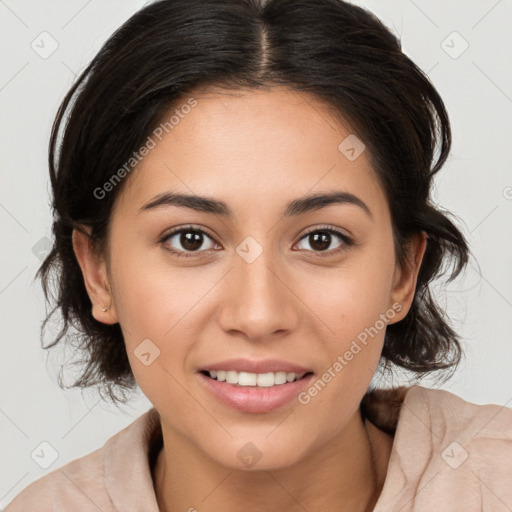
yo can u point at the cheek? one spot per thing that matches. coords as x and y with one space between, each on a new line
352 298
355 307
151 312
159 302
143 302
151 295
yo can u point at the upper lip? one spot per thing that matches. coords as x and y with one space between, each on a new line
252 366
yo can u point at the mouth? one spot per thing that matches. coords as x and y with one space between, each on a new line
259 380
254 386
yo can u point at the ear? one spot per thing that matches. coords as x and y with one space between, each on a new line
95 276
405 277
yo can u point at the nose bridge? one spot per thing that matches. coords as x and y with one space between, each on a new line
260 301
258 280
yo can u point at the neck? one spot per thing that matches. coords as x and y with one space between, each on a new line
348 472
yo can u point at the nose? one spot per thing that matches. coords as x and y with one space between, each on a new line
258 300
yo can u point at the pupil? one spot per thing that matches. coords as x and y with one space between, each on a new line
322 245
191 240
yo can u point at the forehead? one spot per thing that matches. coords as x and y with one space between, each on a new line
253 144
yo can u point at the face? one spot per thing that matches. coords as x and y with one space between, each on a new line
255 286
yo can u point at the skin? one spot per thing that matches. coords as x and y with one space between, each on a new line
255 151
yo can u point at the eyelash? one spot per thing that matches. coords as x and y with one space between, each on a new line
347 241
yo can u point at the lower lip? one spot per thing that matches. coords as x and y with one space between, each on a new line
252 398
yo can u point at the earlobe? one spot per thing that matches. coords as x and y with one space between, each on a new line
95 277
406 276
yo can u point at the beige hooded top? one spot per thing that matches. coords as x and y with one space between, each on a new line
448 455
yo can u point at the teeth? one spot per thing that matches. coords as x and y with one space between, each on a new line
263 380
246 379
231 377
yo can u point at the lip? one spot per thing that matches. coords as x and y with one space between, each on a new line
254 399
251 366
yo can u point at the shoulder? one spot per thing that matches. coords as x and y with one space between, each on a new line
77 485
458 451
464 431
436 409
448 416
89 483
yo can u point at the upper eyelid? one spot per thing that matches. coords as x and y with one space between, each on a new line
337 231
185 228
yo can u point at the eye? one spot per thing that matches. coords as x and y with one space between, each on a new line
189 238
320 238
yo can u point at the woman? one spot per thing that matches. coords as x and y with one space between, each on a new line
243 228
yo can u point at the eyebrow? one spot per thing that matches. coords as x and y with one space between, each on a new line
293 208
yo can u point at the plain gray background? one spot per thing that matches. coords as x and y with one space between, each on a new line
464 46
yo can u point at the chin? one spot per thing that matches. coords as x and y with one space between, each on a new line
259 455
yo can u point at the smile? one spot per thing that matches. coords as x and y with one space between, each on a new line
262 380
254 392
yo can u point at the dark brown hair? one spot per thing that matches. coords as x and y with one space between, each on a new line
338 52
